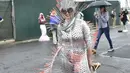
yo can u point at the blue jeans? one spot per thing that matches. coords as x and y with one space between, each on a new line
106 31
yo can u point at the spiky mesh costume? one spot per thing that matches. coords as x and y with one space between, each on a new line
73 41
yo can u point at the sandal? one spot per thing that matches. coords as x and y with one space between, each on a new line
95 66
93 51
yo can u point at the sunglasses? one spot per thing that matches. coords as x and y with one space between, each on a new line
69 10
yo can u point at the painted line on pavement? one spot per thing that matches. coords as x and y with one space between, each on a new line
103 53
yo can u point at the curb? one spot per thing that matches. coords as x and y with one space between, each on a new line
7 41
12 41
115 26
26 41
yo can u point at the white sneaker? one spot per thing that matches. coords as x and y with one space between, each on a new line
125 30
111 50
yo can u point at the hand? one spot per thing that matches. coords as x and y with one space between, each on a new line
75 57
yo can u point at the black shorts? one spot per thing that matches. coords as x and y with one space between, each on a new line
53 26
124 22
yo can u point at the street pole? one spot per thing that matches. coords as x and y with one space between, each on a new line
13 19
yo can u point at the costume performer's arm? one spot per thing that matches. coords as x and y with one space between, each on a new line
88 41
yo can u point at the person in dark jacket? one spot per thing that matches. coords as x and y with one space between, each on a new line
124 19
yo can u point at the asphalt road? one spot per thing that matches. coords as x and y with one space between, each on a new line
27 57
